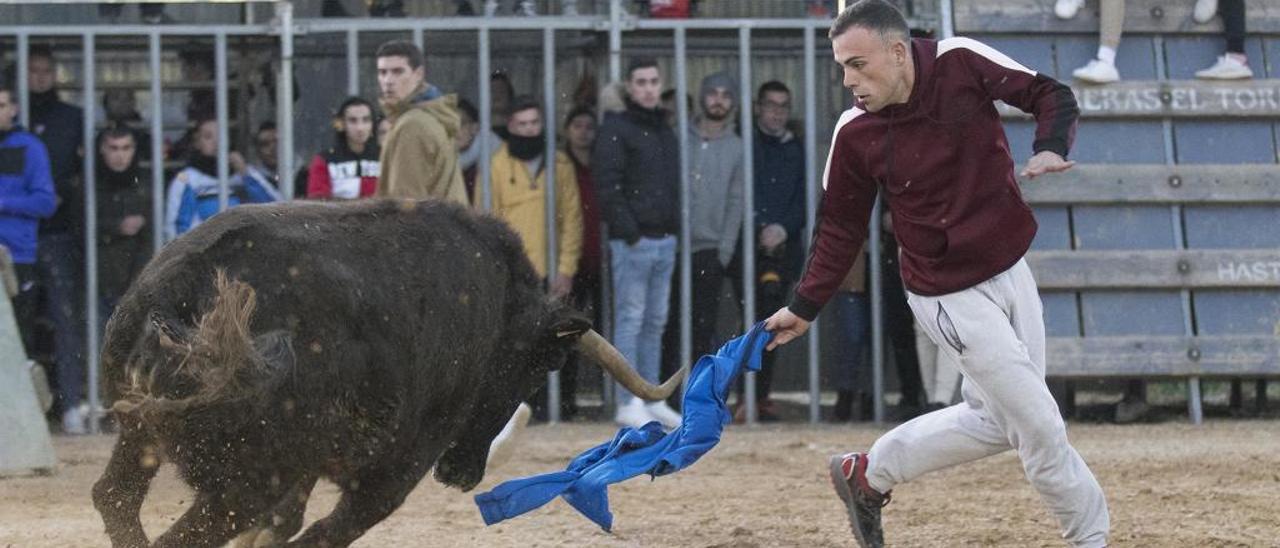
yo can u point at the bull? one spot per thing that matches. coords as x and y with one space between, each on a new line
365 343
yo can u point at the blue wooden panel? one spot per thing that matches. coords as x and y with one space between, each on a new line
1119 142
1055 228
1272 66
1215 142
1187 54
1134 58
1020 133
1120 313
1110 227
1232 227
1061 318
1035 53
1238 312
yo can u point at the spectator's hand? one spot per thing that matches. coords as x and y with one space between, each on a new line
1045 162
132 224
236 162
772 236
785 327
561 285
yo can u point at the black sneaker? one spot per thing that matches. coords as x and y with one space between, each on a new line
849 477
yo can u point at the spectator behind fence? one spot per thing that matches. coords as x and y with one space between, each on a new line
501 93
579 138
636 164
120 109
349 169
469 147
124 211
716 176
420 157
516 7
149 12
264 171
852 375
26 196
60 263
1233 64
1102 69
779 220
194 194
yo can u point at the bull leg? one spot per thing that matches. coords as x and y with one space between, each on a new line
375 496
283 521
216 517
118 494
464 464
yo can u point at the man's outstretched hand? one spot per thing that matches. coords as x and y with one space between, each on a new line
1045 162
785 327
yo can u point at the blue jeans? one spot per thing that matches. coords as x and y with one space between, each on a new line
60 263
853 322
641 289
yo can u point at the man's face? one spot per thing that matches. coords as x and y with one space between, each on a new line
876 69
206 139
266 142
396 80
717 104
117 152
467 131
357 123
774 111
582 131
40 74
644 86
8 109
525 123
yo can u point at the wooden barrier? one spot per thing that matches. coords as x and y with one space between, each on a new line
1141 16
1252 99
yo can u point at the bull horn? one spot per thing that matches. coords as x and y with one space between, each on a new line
594 347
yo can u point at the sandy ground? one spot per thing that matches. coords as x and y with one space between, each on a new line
1168 485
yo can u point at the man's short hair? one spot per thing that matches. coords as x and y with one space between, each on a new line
42 51
469 110
580 110
266 126
638 63
402 48
874 15
772 86
116 132
525 102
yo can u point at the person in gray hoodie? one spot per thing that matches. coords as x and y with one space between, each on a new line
715 213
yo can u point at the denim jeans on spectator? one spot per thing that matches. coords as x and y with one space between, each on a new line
853 324
60 261
641 289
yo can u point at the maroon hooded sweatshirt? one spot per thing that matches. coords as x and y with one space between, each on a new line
944 165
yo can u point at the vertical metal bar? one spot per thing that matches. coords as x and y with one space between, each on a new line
686 231
945 14
284 108
353 62
877 311
748 206
484 199
418 39
24 99
156 144
615 41
550 211
811 205
90 230
220 76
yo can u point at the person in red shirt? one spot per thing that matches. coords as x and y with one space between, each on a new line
925 135
349 169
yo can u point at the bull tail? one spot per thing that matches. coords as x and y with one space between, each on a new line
217 362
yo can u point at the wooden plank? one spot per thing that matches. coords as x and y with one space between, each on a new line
1152 269
1157 184
1218 356
1141 16
1173 99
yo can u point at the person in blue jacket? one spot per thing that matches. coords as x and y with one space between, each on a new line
193 194
26 197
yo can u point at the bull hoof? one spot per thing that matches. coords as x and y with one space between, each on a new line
258 537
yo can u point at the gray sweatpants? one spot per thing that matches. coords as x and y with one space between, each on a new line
994 332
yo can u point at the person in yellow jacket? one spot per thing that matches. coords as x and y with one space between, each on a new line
420 157
518 182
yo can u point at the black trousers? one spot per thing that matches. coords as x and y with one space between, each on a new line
707 279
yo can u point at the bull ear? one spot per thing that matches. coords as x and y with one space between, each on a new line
171 336
569 328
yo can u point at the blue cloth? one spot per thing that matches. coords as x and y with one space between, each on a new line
634 451
26 193
193 198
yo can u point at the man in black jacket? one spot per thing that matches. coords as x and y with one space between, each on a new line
60 260
636 164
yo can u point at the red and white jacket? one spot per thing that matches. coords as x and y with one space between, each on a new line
339 173
943 164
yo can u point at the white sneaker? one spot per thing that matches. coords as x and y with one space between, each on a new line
504 445
1204 11
633 414
1066 9
74 422
570 8
669 418
1097 72
1227 68
527 8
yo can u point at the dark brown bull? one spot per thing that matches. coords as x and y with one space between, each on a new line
364 343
